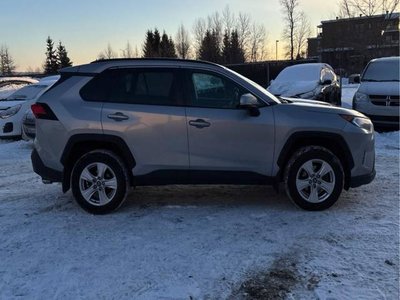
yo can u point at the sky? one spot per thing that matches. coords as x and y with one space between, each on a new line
85 27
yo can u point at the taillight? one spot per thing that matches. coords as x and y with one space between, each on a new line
43 111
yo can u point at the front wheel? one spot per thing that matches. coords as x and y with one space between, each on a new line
314 178
99 182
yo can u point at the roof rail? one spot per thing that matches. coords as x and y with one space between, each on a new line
154 59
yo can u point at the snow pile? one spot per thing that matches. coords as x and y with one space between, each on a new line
204 242
348 91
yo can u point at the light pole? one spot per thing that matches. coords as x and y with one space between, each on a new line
276 49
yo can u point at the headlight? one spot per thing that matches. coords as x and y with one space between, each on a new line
9 112
360 97
363 123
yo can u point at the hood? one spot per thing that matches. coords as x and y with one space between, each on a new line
385 88
7 104
299 100
291 88
318 107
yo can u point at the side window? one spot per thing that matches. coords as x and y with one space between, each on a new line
214 91
134 86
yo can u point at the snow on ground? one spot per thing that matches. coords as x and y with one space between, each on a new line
204 242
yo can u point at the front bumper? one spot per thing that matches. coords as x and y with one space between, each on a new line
46 173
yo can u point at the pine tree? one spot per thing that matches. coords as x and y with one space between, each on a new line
237 52
51 63
167 46
156 43
62 57
148 47
209 48
226 49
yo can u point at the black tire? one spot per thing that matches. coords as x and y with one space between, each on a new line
115 174
326 188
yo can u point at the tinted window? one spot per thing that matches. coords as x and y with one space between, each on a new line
211 90
134 86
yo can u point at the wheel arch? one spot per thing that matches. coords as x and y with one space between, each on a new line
332 141
80 144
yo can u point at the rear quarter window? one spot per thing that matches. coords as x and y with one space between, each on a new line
134 86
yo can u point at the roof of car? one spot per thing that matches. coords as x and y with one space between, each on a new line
389 59
98 66
308 65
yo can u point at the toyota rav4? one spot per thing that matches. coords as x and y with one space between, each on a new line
113 124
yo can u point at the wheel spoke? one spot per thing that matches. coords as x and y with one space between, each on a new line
313 195
327 186
88 193
86 175
308 167
111 183
325 169
301 184
103 197
101 169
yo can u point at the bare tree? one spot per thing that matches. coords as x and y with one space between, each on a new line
127 52
302 32
107 53
351 8
182 42
215 24
228 20
243 29
199 31
290 8
345 9
257 43
7 65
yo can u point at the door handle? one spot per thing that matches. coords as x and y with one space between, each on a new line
199 123
118 116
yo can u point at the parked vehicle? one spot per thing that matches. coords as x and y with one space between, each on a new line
354 79
316 81
379 90
113 124
13 108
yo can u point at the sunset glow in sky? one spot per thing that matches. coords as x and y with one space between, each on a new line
85 27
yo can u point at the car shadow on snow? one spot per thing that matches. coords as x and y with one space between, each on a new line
207 195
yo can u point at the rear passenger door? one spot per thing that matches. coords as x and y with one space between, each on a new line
144 108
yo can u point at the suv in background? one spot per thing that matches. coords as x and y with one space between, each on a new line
113 124
379 91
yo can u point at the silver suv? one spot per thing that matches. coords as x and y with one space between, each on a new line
113 124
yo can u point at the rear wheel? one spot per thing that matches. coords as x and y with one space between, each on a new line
99 182
314 178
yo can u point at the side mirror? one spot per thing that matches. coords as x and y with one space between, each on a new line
357 79
249 102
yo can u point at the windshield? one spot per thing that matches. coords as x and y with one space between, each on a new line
299 73
26 93
256 86
382 71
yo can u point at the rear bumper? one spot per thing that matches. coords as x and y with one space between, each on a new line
357 181
45 172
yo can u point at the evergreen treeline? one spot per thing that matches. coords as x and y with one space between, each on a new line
56 58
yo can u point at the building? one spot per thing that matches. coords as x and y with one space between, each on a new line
350 43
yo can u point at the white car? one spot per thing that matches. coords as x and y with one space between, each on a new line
316 81
13 108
